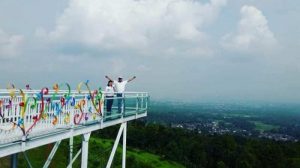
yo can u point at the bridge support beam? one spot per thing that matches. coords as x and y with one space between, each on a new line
51 155
123 129
71 142
124 145
14 160
73 159
85 150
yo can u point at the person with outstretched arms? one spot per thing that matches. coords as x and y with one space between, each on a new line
120 87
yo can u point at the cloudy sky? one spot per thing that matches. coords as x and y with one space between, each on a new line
193 50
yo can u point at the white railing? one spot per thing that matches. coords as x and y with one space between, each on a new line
25 113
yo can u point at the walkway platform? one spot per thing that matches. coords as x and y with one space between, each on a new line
32 118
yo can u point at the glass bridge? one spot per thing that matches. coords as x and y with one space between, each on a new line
32 118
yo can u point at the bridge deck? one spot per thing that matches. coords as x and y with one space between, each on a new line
29 119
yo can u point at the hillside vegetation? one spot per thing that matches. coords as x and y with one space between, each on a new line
154 145
99 151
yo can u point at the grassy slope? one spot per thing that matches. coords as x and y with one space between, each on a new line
99 151
135 158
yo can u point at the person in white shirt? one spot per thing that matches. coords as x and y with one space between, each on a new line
109 94
120 87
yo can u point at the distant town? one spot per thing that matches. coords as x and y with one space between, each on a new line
278 122
214 127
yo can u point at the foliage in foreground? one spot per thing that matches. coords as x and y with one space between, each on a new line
99 151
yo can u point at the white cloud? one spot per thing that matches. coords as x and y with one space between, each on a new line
253 33
139 25
10 44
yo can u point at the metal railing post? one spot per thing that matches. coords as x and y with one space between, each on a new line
137 104
123 105
142 102
86 108
102 109
147 100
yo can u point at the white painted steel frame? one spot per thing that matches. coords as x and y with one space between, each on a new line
13 113
56 134
112 154
124 145
16 147
73 160
85 149
51 155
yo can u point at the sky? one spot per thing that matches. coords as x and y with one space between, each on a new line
188 50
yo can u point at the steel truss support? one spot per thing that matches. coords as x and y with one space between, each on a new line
14 161
124 145
27 160
71 142
51 155
85 149
123 129
73 160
